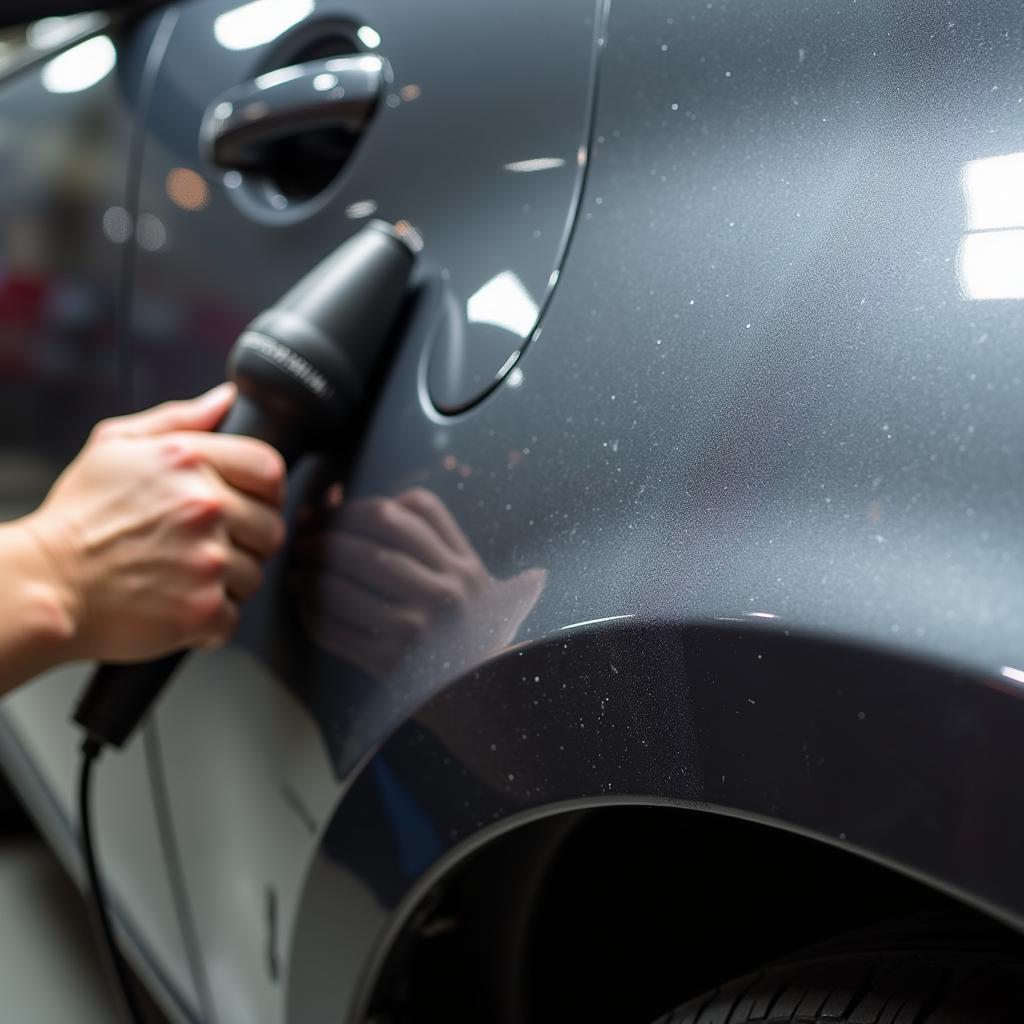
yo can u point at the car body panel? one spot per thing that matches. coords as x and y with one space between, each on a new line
236 727
827 740
774 410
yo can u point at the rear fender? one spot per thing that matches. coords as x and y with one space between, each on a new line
911 764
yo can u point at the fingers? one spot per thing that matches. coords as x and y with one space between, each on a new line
394 526
242 575
430 507
347 602
375 658
392 574
202 413
208 616
251 524
243 462
221 627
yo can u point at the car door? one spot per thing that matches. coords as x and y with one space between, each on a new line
476 148
69 104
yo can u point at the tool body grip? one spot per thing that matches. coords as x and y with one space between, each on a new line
303 368
119 695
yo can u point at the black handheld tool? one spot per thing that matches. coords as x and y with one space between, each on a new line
302 368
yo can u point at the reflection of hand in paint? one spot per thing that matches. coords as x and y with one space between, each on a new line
395 575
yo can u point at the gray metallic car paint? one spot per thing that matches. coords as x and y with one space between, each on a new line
749 505
269 778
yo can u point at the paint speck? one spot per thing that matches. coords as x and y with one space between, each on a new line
664 47
728 74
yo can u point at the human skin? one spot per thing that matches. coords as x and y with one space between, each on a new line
146 544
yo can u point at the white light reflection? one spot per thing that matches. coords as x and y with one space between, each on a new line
80 67
991 265
369 37
505 303
360 209
279 77
594 622
259 22
1013 674
367 62
48 33
540 163
761 615
507 365
150 232
117 224
990 262
994 188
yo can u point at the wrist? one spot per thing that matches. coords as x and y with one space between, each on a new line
50 605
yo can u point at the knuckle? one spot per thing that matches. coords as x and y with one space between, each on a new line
382 510
175 452
104 430
420 498
210 560
453 592
202 609
171 410
412 624
472 573
203 506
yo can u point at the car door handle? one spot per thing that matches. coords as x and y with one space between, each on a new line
240 126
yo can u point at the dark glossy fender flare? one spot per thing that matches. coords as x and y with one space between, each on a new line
913 764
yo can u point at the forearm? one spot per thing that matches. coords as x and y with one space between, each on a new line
36 622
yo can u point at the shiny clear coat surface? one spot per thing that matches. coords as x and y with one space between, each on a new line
739 530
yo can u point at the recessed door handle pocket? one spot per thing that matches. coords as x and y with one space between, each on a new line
242 129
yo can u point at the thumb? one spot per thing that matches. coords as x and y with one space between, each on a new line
202 413
525 590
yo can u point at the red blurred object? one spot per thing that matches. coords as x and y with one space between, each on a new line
22 301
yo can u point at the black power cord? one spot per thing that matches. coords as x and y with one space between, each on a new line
91 750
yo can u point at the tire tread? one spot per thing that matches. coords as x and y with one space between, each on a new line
905 987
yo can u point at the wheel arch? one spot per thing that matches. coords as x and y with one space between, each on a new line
893 759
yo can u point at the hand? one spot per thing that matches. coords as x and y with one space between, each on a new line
398 575
155 532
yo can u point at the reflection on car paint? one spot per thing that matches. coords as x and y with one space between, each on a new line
377 581
81 67
259 22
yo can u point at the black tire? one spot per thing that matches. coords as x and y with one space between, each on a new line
907 987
